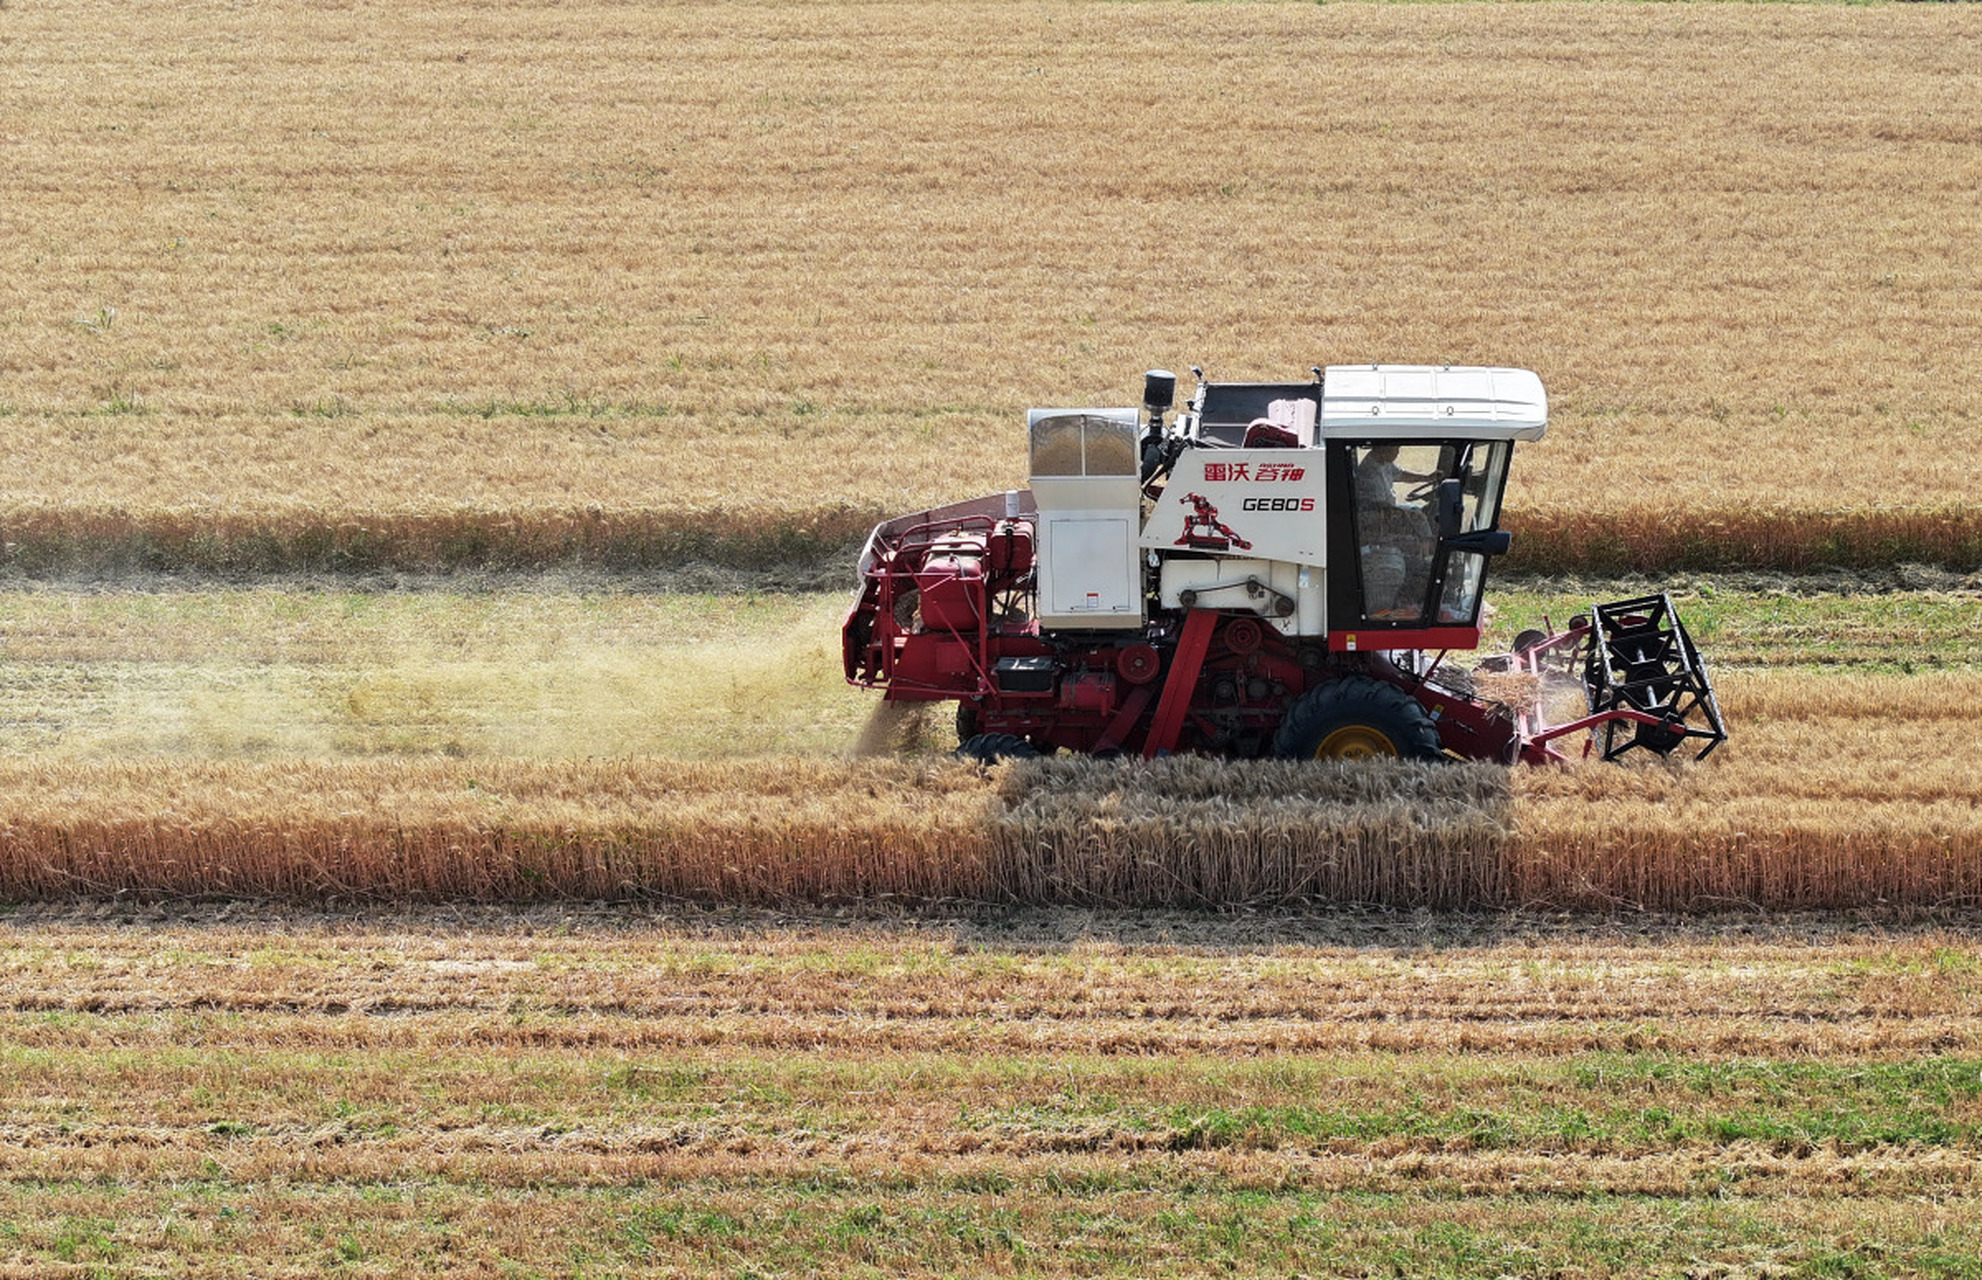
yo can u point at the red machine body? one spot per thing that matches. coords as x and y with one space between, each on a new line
1073 616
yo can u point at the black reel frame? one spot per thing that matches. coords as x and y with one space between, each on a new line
1640 659
1642 680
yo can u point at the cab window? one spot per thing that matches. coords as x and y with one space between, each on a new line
1408 577
1396 540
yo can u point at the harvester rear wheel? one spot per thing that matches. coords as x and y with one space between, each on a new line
1357 718
990 748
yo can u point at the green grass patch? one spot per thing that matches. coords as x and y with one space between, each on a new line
1873 625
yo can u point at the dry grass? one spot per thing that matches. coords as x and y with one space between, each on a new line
306 285
282 672
1839 792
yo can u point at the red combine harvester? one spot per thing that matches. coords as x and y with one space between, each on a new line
1283 570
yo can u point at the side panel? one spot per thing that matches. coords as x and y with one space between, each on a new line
1269 504
1088 573
1290 597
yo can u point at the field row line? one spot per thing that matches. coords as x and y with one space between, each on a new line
1185 832
80 541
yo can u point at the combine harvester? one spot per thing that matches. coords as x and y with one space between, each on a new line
1281 571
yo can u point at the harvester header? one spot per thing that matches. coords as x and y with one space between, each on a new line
1283 569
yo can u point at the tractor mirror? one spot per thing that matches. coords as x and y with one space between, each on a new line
1451 508
1485 542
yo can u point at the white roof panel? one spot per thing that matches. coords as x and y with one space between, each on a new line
1377 401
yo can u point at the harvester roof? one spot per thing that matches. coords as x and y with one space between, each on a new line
1404 401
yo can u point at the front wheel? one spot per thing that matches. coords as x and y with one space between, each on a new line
1357 718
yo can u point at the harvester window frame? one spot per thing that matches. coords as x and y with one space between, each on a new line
1483 470
1485 483
1482 466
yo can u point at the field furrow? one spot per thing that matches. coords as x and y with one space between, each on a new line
1046 1092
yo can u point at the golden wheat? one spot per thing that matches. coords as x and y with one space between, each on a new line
1837 792
300 285
782 830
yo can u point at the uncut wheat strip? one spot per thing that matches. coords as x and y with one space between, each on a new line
492 838
1609 867
742 862
1915 764
776 831
1184 778
1806 736
1703 535
1832 791
48 787
1802 807
72 537
1197 832
768 530
1776 852
1097 831
1932 695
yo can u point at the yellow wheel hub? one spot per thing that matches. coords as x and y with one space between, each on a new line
1355 742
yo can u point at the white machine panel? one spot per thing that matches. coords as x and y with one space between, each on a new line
1265 503
1290 597
1088 573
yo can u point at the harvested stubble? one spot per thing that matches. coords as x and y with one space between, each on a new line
228 1092
1837 792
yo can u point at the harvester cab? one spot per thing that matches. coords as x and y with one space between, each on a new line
1280 569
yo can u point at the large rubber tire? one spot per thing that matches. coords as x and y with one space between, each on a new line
1357 718
990 748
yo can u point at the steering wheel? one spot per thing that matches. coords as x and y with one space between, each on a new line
1422 491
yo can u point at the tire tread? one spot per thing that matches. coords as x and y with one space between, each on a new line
1358 699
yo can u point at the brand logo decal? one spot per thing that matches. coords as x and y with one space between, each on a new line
1204 531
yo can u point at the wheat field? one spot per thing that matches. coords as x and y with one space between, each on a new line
218 1091
1842 793
350 285
520 745
549 924
305 967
